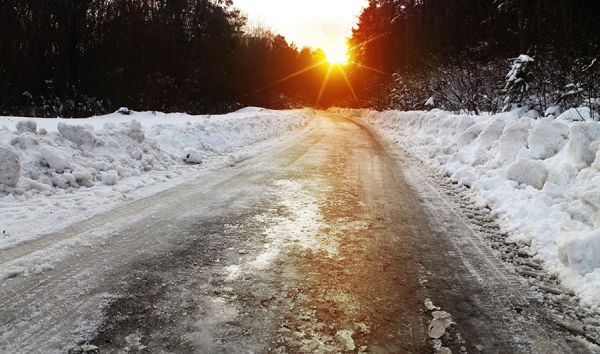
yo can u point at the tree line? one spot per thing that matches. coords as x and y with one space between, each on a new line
455 54
84 57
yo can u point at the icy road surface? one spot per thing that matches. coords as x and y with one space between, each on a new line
333 242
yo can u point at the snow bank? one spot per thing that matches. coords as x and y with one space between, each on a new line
542 177
55 172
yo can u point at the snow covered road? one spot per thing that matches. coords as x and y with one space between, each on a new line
330 241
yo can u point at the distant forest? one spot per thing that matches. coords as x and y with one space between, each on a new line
84 57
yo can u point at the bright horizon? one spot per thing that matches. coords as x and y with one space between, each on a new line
321 24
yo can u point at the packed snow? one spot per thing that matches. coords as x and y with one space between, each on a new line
540 176
56 172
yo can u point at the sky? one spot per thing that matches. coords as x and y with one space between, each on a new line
315 23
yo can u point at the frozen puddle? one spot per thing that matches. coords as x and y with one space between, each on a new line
214 312
301 225
295 221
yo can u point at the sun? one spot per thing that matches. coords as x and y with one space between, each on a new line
337 54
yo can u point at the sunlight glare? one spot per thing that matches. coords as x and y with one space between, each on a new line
337 54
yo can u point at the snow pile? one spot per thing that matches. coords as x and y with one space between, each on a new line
191 155
56 172
529 172
11 166
542 177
